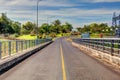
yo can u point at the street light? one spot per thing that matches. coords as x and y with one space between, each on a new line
37 16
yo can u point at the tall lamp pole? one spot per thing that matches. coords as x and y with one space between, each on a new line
37 15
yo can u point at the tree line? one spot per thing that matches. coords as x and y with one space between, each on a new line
95 28
12 27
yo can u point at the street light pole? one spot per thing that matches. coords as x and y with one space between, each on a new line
37 16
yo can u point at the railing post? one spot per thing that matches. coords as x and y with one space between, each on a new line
9 44
97 44
21 45
118 46
16 46
0 50
112 47
28 43
33 43
103 45
90 43
36 41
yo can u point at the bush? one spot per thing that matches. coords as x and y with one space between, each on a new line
16 35
53 35
32 34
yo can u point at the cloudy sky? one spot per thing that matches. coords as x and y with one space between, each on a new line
77 12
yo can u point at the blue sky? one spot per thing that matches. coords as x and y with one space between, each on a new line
77 12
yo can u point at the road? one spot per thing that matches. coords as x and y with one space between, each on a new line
60 61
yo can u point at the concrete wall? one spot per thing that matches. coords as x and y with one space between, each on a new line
9 62
104 56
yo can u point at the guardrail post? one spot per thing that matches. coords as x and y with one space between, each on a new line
9 44
103 45
21 45
16 46
90 43
97 44
0 50
36 41
112 47
29 44
33 43
26 44
118 46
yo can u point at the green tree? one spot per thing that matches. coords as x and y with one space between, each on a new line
44 27
94 28
57 26
67 27
16 27
27 27
2 26
5 24
56 23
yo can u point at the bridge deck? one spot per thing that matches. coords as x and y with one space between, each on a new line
46 65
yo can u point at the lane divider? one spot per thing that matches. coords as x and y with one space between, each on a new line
63 63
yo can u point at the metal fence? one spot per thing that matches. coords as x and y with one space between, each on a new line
8 48
108 45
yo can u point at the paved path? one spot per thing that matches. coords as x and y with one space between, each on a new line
60 61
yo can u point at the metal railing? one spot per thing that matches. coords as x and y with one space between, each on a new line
108 45
8 48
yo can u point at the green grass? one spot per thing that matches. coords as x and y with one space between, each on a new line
63 34
27 37
59 35
95 35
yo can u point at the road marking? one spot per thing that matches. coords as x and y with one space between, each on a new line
63 64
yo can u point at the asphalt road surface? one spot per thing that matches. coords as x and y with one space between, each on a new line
60 61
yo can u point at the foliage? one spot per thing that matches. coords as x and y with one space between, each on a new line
8 26
44 28
27 27
16 27
95 28
5 24
55 28
53 35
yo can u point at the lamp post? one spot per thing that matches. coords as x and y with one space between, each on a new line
37 16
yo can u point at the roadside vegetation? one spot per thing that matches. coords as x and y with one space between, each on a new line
10 29
96 29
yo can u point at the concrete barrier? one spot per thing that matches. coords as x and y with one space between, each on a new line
11 61
102 55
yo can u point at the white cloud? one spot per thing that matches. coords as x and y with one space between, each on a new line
20 10
97 1
88 16
106 0
69 14
34 2
76 12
